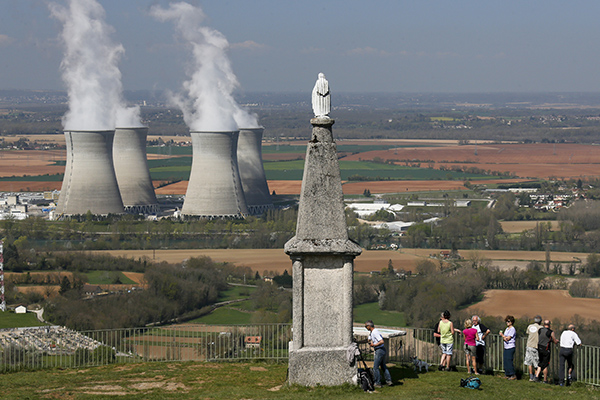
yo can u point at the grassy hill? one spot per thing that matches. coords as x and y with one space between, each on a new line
150 381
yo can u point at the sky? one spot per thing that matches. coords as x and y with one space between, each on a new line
427 46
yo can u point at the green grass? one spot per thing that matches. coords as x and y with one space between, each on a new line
224 316
107 278
257 380
232 315
9 319
236 292
371 311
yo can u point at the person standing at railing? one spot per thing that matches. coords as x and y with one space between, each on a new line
509 338
482 332
568 340
545 339
532 357
377 343
470 348
446 331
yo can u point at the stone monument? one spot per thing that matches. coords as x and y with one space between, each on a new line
323 262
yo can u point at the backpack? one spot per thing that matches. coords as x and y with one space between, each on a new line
471 383
365 380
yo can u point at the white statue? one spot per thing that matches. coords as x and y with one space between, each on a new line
321 99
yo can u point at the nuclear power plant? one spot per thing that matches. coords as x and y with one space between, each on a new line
131 170
252 172
107 173
215 189
89 183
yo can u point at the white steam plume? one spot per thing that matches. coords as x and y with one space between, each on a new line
90 69
207 100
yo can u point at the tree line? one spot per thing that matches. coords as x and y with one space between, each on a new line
172 292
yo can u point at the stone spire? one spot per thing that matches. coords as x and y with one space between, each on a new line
323 267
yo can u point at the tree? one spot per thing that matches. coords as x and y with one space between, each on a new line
65 285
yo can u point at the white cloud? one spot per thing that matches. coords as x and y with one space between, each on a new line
248 45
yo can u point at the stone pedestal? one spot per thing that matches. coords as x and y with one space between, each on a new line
323 266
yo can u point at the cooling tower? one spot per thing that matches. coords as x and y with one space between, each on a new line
215 189
90 183
131 169
252 173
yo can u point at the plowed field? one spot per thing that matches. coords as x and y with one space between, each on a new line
541 160
549 304
273 259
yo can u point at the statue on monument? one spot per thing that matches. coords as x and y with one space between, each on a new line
321 99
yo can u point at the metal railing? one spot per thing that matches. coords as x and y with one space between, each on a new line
421 343
47 347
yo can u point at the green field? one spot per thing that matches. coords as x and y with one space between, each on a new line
33 178
170 150
293 170
371 311
224 316
232 315
175 168
9 319
236 292
257 380
107 278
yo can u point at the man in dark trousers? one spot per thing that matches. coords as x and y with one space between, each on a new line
545 340
568 340
482 332
376 342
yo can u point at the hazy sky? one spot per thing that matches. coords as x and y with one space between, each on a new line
376 45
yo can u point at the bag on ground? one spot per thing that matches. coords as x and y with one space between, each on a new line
471 382
365 380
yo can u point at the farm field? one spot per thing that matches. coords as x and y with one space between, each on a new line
293 187
520 226
272 259
550 304
31 162
542 160
276 260
507 255
539 160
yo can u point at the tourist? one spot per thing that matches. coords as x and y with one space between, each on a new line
376 342
568 340
545 340
482 332
508 337
532 358
470 334
446 330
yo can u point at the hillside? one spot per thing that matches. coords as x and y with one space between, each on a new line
151 381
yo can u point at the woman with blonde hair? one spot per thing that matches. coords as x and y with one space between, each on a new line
470 350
